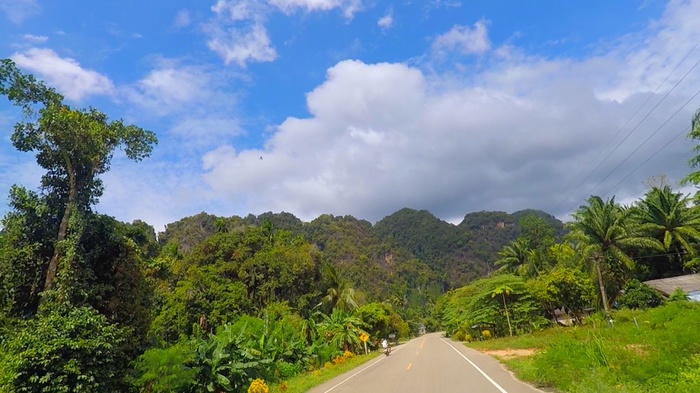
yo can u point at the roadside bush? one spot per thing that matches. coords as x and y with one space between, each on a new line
639 295
165 370
678 295
287 370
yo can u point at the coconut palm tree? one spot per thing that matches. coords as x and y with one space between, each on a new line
609 234
340 293
514 256
666 216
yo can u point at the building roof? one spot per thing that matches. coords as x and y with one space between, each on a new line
688 283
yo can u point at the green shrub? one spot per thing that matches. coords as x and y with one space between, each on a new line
165 370
678 295
287 370
65 349
639 295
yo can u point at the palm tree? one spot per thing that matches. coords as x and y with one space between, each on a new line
340 293
608 235
514 256
521 259
666 216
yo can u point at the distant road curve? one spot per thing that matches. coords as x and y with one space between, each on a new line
428 364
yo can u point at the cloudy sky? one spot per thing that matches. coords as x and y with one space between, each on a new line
364 107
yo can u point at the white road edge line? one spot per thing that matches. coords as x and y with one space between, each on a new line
476 367
350 377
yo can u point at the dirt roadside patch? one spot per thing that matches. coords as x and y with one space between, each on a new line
507 354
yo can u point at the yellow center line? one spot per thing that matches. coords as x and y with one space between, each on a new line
421 344
417 353
409 366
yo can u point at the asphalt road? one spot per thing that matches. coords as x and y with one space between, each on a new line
430 363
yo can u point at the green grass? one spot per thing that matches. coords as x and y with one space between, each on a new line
305 382
661 355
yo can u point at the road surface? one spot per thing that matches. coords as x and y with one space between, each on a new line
428 364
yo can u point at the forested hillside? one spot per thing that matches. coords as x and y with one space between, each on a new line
371 255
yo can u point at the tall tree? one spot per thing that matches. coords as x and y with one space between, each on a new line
536 231
666 216
74 146
605 226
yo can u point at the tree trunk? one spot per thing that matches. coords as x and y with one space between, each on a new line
510 329
603 295
62 229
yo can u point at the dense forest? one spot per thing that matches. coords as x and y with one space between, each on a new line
225 304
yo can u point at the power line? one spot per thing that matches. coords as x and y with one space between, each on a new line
646 140
684 131
638 124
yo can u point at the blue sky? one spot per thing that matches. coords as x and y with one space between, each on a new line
365 107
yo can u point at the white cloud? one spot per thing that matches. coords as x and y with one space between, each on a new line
240 10
349 7
35 39
237 33
656 50
169 88
65 74
206 131
237 46
17 11
513 134
182 19
464 39
386 21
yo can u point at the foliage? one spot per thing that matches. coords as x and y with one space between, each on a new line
165 370
639 295
475 305
536 232
666 216
65 349
26 244
563 288
380 320
514 257
74 146
678 295
342 329
604 228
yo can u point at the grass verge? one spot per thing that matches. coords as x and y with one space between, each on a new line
649 351
304 382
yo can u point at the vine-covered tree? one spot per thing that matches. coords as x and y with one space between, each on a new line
74 146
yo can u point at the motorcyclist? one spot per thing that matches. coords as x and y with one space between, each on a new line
386 347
